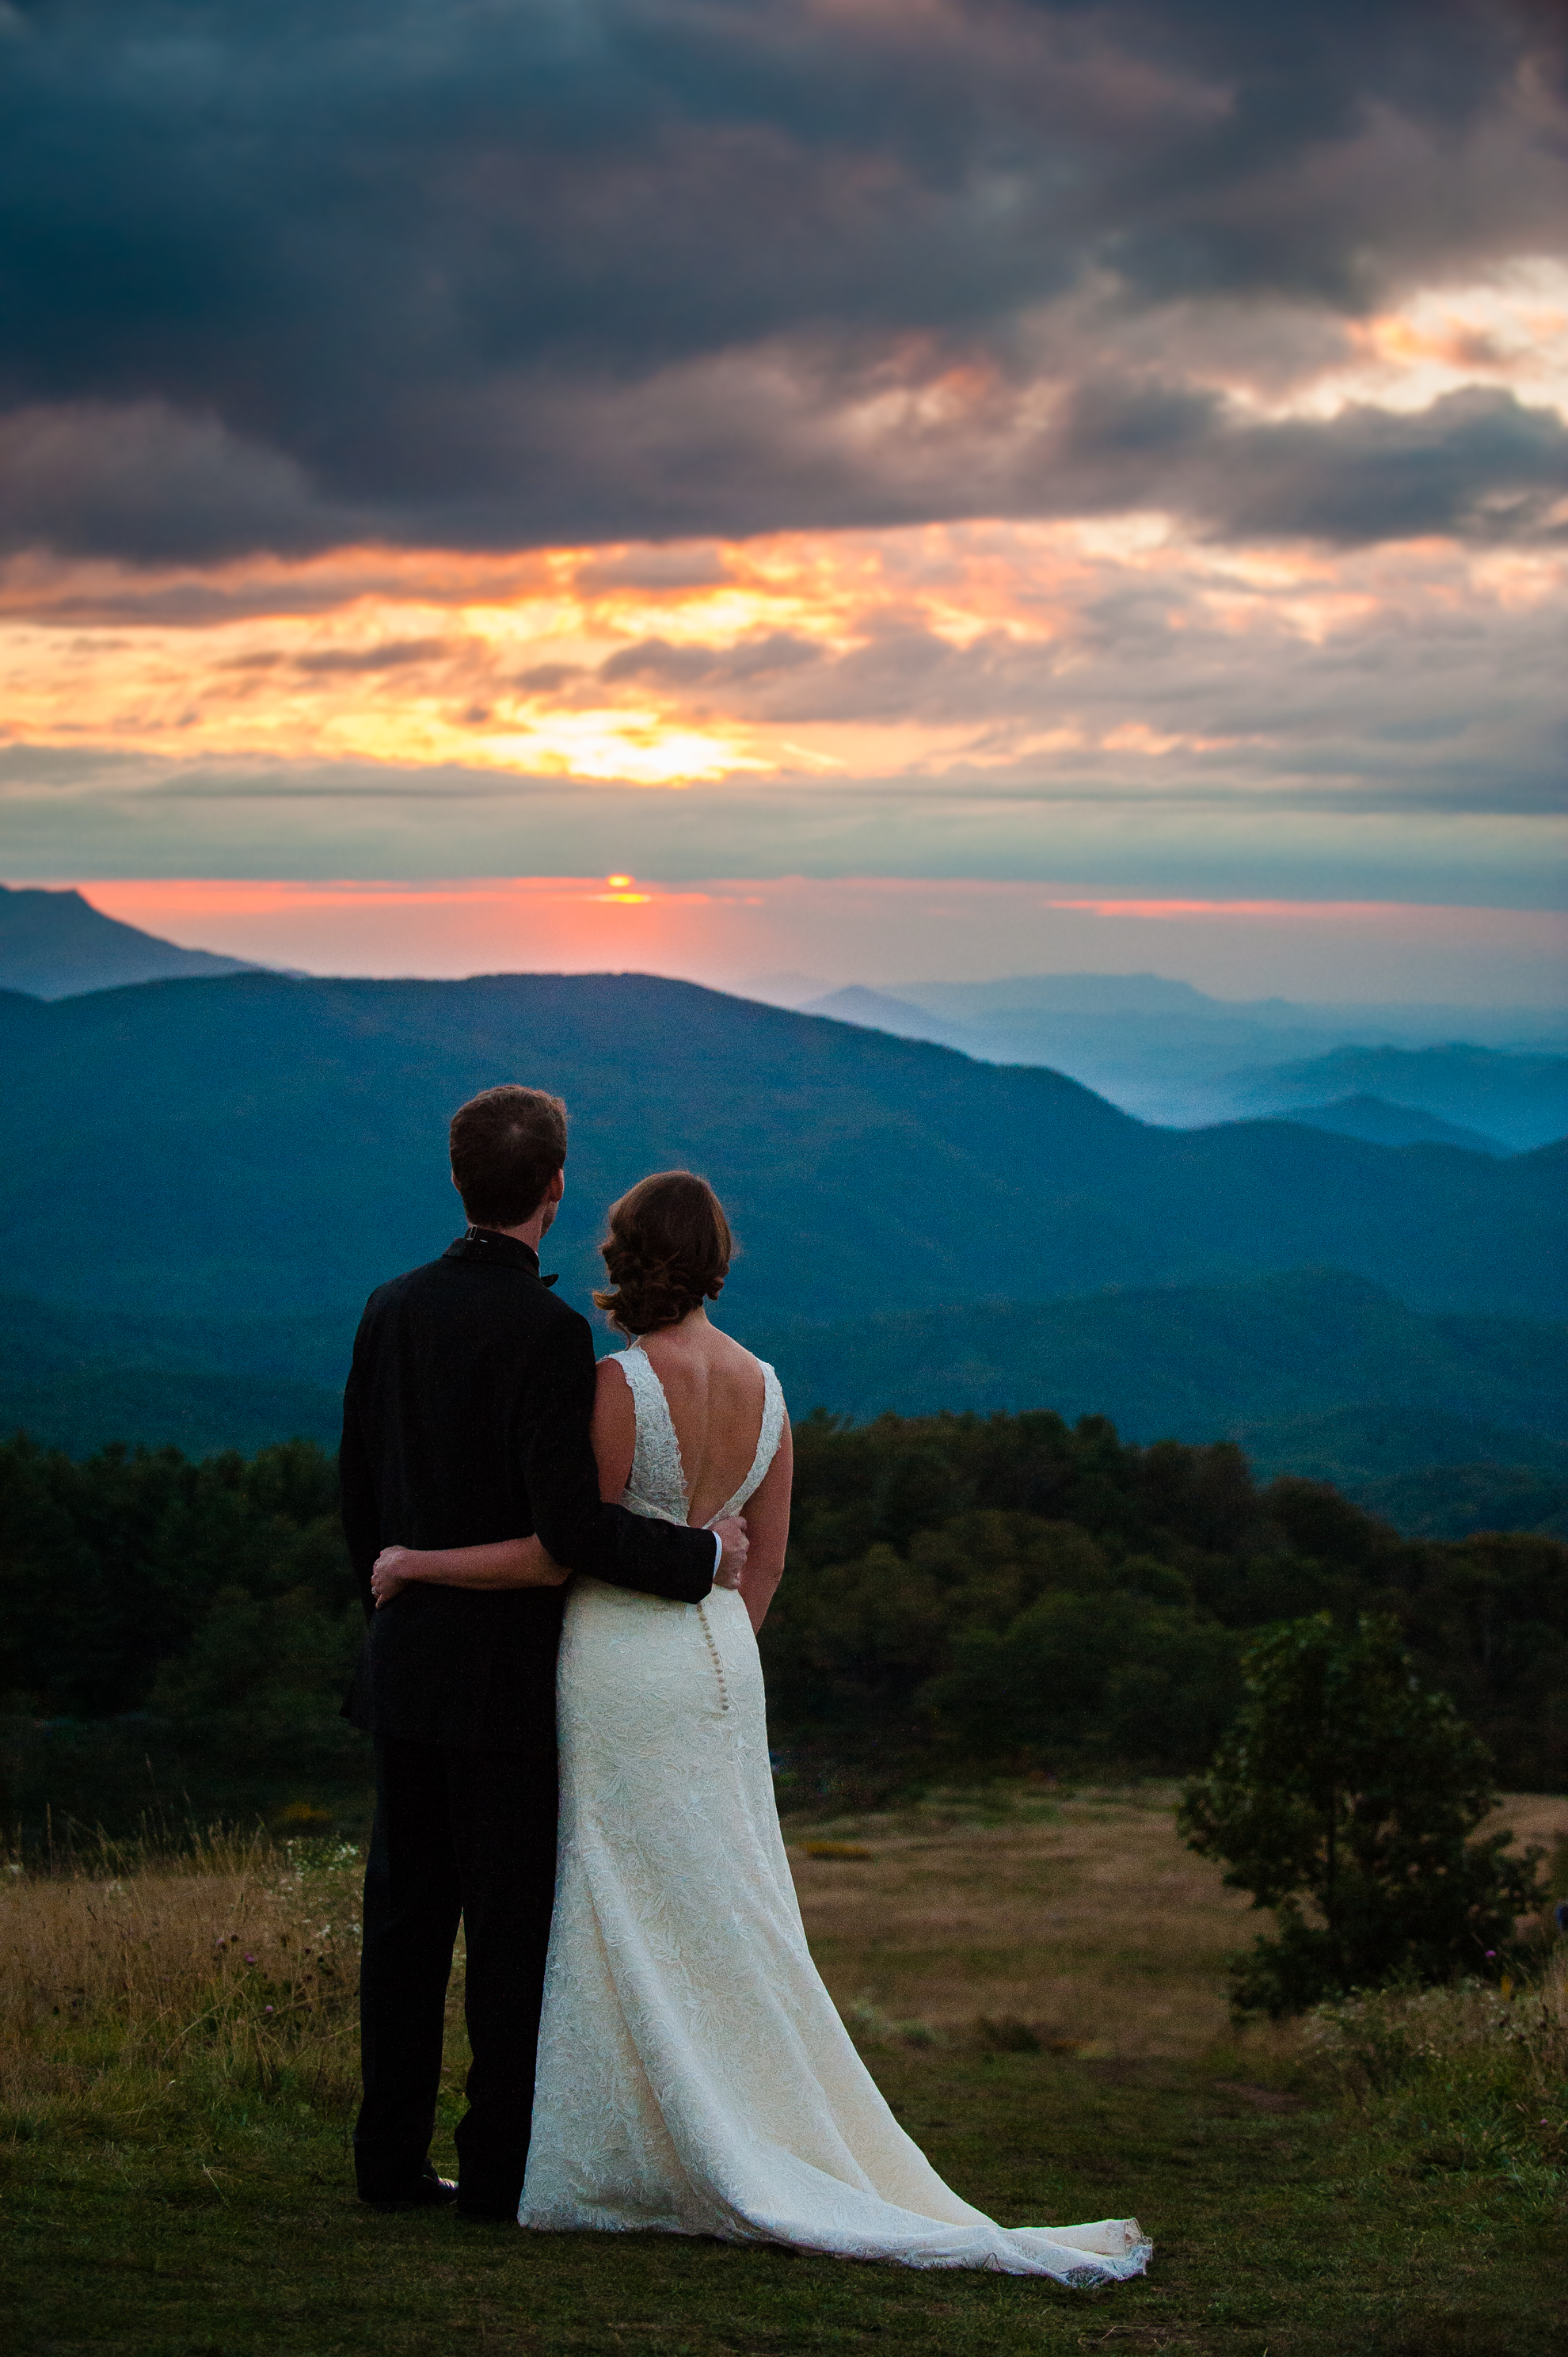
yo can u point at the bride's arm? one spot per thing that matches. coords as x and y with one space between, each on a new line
613 1431
502 1563
767 1527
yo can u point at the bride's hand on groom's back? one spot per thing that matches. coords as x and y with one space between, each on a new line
385 1580
733 1538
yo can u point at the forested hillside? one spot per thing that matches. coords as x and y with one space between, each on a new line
1189 1362
1257 1363
961 1595
254 1145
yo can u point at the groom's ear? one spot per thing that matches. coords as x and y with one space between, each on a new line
557 1187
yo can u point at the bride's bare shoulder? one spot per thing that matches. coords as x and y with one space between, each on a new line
611 1383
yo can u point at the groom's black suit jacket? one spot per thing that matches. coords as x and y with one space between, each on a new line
466 1419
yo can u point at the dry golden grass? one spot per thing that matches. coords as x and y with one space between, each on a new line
1077 1922
1533 1818
238 1957
1083 1917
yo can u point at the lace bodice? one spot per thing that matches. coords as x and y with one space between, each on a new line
657 1485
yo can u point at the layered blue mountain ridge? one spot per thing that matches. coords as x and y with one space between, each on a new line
200 1180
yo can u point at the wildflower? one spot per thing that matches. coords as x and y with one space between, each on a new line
268 2008
250 1960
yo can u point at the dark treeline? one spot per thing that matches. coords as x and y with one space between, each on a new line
1007 1591
175 1637
962 1593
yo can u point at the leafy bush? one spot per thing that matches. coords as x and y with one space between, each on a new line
1346 1786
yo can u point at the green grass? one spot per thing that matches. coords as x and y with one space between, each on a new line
173 2228
177 2071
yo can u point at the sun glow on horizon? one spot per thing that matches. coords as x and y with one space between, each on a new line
733 934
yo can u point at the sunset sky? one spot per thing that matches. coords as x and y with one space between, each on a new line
871 488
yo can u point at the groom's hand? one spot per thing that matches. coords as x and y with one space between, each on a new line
732 1562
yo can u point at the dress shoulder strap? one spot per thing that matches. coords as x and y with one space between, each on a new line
658 1482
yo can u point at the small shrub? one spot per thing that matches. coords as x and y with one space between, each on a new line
1009 2036
869 2026
1348 1788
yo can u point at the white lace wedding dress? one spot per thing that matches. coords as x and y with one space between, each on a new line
693 2076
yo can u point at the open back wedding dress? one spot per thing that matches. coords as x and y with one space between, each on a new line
693 2076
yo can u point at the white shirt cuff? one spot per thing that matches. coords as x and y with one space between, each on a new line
718 1553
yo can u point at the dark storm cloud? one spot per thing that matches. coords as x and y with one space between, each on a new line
1474 463
490 273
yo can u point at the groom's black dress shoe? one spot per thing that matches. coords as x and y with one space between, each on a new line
426 2192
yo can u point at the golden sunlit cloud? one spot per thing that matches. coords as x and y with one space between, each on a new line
802 656
1511 330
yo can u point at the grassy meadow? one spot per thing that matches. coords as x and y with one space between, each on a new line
1035 1977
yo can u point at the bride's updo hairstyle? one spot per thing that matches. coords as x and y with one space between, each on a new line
668 1250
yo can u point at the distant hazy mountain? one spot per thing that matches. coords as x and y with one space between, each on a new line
1076 993
1392 1125
56 945
1158 1050
877 1011
1521 1099
254 1146
1171 1054
1410 1022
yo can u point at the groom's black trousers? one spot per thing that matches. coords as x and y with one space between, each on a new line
468 1835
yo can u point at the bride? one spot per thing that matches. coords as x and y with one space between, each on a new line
693 2076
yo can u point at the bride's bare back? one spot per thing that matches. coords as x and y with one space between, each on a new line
716 1391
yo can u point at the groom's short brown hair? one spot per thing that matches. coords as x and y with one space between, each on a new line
507 1146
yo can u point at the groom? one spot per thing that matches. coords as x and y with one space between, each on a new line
466 1419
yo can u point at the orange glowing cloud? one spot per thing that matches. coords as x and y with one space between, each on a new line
938 651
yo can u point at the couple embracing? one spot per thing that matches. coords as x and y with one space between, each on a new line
652 2047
